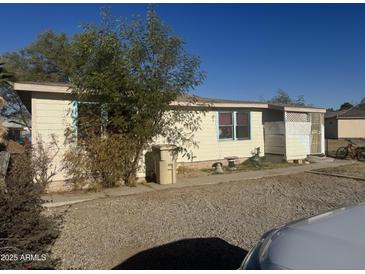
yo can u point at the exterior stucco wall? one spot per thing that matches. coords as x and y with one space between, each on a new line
351 128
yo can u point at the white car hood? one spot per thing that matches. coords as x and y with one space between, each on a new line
334 240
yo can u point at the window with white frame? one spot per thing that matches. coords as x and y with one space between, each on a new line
242 125
225 125
233 125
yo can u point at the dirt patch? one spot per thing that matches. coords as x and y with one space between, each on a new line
263 164
104 233
356 170
187 172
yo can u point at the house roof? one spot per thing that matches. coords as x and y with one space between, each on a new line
214 102
202 101
258 104
296 108
354 112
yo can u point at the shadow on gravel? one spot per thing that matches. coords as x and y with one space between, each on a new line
199 253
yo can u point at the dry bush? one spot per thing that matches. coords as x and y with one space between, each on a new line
3 130
43 164
101 162
24 228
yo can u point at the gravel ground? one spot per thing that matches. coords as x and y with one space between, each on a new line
214 225
357 170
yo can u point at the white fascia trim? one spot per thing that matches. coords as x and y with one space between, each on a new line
42 88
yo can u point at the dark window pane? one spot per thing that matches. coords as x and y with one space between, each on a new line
242 119
225 119
242 132
226 132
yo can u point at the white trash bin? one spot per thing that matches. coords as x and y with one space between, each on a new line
165 163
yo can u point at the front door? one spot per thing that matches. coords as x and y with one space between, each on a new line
316 132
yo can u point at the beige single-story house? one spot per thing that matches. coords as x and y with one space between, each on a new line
349 123
228 128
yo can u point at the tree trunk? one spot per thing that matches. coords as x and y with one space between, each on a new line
130 177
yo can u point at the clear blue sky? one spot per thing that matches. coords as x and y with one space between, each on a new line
248 50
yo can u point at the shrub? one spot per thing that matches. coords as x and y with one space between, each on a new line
44 168
101 162
24 228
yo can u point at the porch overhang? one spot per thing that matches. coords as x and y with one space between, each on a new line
296 109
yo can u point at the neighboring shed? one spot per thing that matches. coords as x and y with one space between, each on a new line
349 123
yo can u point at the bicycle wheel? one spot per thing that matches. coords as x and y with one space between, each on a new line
361 154
341 153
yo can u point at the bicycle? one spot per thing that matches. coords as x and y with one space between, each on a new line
353 150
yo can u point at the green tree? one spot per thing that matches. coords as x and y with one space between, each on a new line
282 97
5 77
346 105
13 110
135 71
42 61
362 103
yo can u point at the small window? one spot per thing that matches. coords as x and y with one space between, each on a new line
242 125
225 125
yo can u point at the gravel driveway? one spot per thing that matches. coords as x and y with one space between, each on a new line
195 227
356 170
